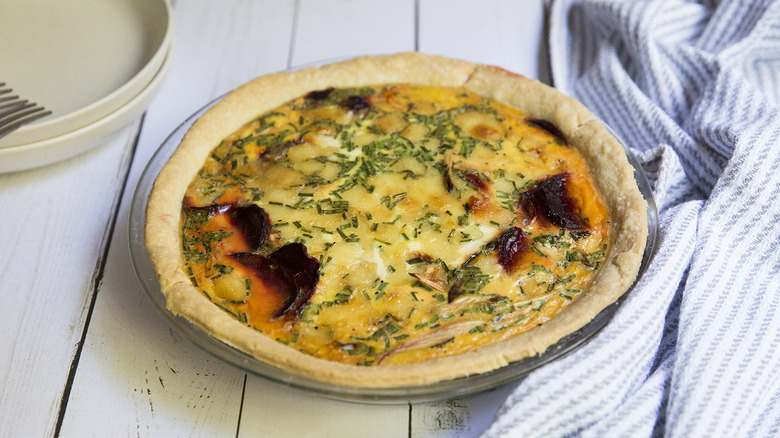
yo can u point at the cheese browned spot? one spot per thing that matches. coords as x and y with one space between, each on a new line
415 222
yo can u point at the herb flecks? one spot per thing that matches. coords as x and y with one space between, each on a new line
417 210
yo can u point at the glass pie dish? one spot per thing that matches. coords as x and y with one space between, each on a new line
421 393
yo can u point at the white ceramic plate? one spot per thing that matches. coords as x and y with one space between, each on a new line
28 156
81 59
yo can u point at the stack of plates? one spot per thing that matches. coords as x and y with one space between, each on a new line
95 64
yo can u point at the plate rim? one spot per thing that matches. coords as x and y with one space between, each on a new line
51 150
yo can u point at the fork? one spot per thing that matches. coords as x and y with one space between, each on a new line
15 112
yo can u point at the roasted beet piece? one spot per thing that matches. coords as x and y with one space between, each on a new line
318 95
475 181
549 127
289 271
549 200
303 272
511 245
253 223
356 103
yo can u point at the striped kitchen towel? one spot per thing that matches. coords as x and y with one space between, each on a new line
693 89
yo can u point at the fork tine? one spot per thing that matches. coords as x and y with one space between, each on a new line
17 121
12 108
15 112
20 112
7 98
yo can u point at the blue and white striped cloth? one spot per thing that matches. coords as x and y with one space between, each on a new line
693 88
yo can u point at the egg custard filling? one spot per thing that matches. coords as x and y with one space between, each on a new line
393 224
394 221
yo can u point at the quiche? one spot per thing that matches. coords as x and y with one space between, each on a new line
395 221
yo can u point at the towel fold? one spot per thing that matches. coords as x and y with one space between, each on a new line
692 88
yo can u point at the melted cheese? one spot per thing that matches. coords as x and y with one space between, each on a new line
402 203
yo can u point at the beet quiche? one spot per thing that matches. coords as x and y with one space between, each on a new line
395 221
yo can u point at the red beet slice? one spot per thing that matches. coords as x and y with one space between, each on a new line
511 245
548 199
289 271
303 272
253 223
356 103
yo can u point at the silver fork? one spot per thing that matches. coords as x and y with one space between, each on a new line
15 112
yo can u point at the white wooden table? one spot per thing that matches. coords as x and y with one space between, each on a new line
85 353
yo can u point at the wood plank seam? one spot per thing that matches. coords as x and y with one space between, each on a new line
293 31
416 25
241 407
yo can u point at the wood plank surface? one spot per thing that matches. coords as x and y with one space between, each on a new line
53 230
332 29
274 410
505 33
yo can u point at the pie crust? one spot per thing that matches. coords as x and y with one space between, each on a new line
605 156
